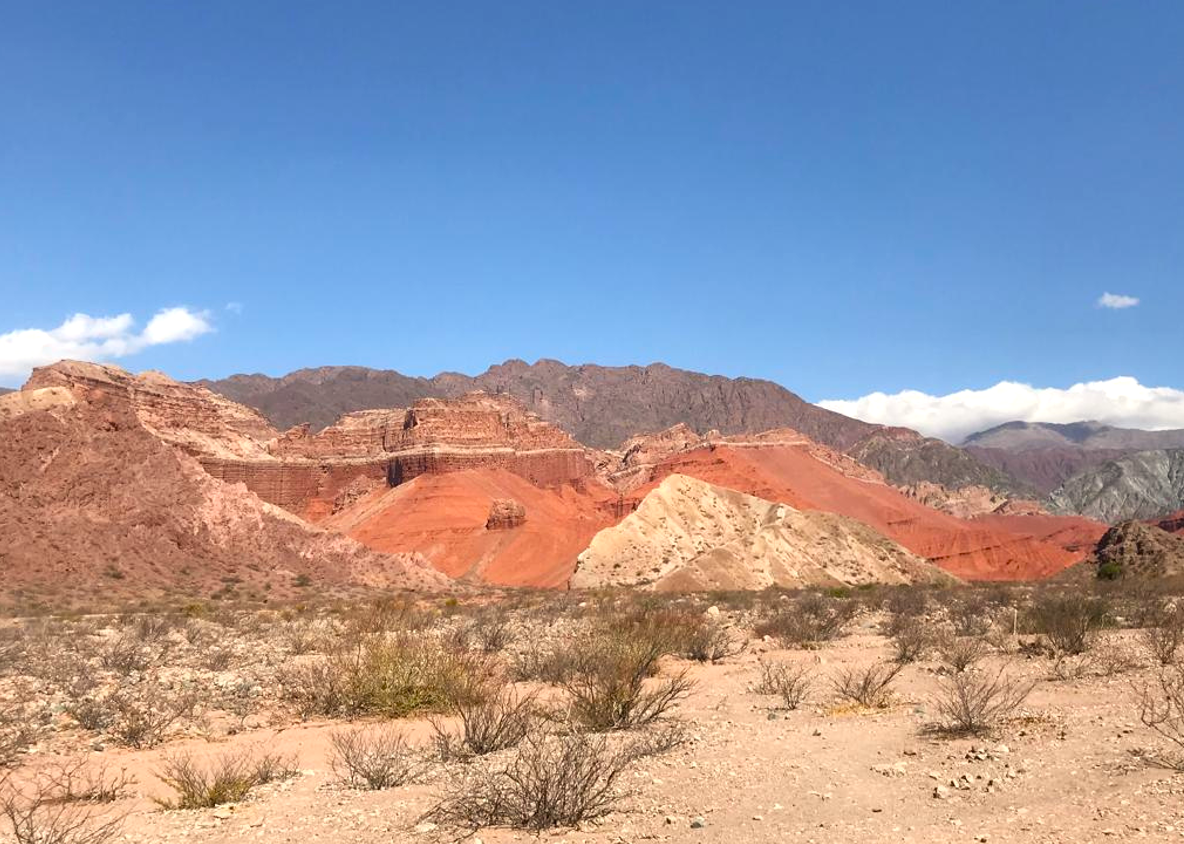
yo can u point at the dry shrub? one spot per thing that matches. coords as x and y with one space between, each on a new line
970 614
1163 632
17 732
393 677
608 688
374 758
43 818
555 780
536 661
489 722
974 703
389 615
1069 622
126 653
228 778
810 619
143 721
789 682
867 686
490 631
712 642
1161 707
961 652
912 638
77 781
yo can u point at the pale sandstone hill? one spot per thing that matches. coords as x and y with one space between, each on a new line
688 534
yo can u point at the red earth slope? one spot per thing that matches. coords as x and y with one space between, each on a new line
990 548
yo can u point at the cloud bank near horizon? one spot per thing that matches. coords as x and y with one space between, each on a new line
83 337
1121 401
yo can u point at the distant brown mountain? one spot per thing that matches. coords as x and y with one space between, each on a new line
1089 436
602 406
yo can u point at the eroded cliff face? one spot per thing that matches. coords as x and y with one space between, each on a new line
96 506
317 474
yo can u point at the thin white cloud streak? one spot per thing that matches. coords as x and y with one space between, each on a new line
83 337
1121 401
1117 301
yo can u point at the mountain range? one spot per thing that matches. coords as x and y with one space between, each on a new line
172 489
602 406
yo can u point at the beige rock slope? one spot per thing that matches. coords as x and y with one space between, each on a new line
689 534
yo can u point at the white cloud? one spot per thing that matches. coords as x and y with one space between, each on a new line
83 337
1119 401
1117 301
235 308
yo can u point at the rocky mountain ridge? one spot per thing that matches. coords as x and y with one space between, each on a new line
1142 485
603 407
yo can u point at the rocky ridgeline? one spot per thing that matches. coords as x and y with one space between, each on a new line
311 473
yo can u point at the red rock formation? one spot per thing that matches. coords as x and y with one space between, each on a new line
445 518
309 473
505 514
1006 548
95 506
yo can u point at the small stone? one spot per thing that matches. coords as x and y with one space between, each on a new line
425 828
713 611
698 823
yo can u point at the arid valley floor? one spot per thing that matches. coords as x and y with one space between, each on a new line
1072 761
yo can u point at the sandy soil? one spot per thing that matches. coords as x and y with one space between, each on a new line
1067 770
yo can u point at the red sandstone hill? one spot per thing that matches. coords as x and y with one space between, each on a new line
96 506
808 476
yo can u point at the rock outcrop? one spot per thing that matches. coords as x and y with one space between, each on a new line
505 514
788 468
690 535
1144 485
1135 549
96 505
314 474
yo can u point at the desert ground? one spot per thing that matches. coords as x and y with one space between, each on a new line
99 711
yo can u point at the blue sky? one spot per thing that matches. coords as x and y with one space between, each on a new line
845 198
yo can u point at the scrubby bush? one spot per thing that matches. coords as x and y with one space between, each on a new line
142 718
912 638
374 758
810 619
228 778
607 685
1163 632
555 780
393 677
1069 622
44 818
971 702
1161 707
961 652
789 682
493 721
867 686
